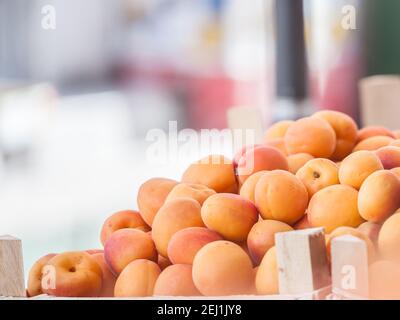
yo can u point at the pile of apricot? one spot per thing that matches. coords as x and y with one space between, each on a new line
212 232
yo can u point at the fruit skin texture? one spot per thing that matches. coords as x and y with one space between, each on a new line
384 280
173 216
373 143
230 215
357 167
197 192
277 130
223 268
341 231
396 171
262 237
334 207
176 280
151 197
215 171
267 282
346 131
137 279
281 196
35 275
371 230
121 220
77 275
185 244
389 238
296 161
379 196
373 131
278 143
108 283
389 156
258 159
317 174
126 245
248 188
311 135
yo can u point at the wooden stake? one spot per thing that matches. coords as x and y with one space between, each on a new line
349 256
302 261
11 267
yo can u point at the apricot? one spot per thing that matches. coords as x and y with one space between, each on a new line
259 159
230 215
108 283
215 171
185 244
242 151
311 135
222 268
395 143
389 156
373 143
281 196
248 188
371 230
77 274
317 174
197 192
278 143
379 196
303 223
396 171
35 276
357 167
262 237
267 282
341 231
163 262
373 131
152 195
126 245
384 280
277 130
121 220
296 161
176 280
345 129
334 207
173 216
389 238
137 279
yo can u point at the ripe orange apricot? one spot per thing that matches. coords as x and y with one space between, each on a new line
389 156
108 283
222 268
137 279
277 130
345 129
262 237
176 280
197 192
389 238
215 171
296 161
373 143
373 131
311 135
126 245
121 220
379 196
77 274
317 174
267 282
281 196
334 207
259 159
248 188
35 276
173 216
357 167
384 280
230 215
278 143
151 197
185 244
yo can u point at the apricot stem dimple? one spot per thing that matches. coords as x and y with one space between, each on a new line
316 175
72 269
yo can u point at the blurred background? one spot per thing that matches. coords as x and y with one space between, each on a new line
77 98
